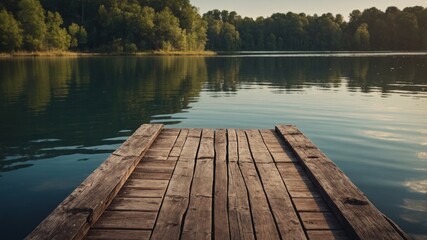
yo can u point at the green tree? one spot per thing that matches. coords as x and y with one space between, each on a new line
230 38
362 37
32 19
10 32
271 42
422 22
78 35
245 28
408 31
213 33
56 37
141 23
169 36
195 29
326 33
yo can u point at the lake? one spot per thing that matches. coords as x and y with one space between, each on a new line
60 118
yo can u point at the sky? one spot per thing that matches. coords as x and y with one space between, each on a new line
256 8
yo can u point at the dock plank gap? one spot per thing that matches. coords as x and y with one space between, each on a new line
168 183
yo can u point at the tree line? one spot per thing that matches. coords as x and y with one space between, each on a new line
371 29
101 25
141 25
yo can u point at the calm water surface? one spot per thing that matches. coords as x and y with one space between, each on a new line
61 117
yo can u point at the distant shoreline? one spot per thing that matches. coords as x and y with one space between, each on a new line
221 53
94 54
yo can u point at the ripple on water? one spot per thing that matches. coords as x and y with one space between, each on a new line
419 186
387 136
45 140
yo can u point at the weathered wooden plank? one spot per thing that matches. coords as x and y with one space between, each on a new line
265 226
158 154
114 234
73 217
135 204
327 235
221 225
179 143
156 169
298 185
175 203
310 205
240 219
319 220
279 151
303 193
291 171
151 175
146 184
360 218
149 164
143 188
162 146
129 192
151 168
139 141
233 154
126 220
263 220
200 206
241 225
280 202
257 147
243 147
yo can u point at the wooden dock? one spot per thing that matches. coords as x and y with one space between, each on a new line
217 184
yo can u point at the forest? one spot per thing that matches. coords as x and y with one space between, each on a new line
176 25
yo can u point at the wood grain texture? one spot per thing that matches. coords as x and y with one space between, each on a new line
320 220
291 171
233 154
327 235
243 147
126 220
221 225
310 205
176 200
129 192
280 202
73 217
279 151
114 234
241 224
135 204
265 226
240 219
359 217
179 143
198 220
264 223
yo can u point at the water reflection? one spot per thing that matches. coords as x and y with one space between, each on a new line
83 100
60 117
419 186
387 136
422 155
414 212
415 205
